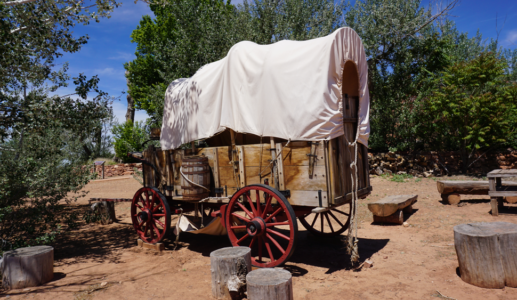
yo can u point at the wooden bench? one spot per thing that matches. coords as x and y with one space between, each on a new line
451 190
390 209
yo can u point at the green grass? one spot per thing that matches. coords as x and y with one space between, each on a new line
396 177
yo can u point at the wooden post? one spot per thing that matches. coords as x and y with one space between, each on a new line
229 267
102 170
495 206
274 172
27 267
270 284
486 253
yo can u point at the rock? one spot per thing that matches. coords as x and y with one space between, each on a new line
428 174
401 172
368 264
387 171
405 224
104 283
379 171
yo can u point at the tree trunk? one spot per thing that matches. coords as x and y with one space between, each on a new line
130 113
229 267
486 253
27 267
270 284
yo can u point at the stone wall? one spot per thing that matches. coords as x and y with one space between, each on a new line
117 170
439 163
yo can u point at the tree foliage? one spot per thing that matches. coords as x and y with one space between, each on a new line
473 105
44 139
188 34
129 137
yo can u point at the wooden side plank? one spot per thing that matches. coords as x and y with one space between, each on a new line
389 205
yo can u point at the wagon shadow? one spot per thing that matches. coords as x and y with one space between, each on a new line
331 253
328 253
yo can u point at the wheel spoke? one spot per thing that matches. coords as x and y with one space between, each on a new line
257 197
158 215
156 230
139 226
252 242
314 221
140 207
157 206
159 223
278 234
142 199
245 210
276 243
322 228
273 214
332 215
251 205
266 208
147 200
238 227
333 209
328 220
240 217
277 224
243 238
269 250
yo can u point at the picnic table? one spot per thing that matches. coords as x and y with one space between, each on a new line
497 190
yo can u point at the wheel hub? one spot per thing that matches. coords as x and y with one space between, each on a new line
145 216
256 227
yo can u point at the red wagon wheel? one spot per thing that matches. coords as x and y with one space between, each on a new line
261 218
151 215
331 222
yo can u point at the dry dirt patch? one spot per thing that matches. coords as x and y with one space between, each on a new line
415 262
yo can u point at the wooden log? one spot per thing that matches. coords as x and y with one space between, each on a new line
486 253
389 205
158 247
269 284
453 199
229 267
27 267
396 218
511 199
467 187
408 210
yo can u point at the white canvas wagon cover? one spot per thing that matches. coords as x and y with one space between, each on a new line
289 90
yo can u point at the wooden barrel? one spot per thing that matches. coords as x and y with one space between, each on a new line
197 171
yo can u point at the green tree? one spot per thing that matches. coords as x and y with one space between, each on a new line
473 105
43 138
403 45
188 34
129 137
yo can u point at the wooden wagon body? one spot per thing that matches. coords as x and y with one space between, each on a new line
258 187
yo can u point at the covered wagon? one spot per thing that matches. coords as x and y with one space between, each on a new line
263 137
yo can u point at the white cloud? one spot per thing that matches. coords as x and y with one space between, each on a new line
120 109
129 11
124 56
511 38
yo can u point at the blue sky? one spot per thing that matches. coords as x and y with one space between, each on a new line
110 45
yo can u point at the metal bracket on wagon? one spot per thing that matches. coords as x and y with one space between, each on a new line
286 193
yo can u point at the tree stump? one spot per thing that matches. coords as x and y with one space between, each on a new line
487 253
270 284
229 267
27 267
105 210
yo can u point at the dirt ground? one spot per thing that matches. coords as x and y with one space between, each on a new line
415 262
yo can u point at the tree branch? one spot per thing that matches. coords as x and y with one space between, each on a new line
17 2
